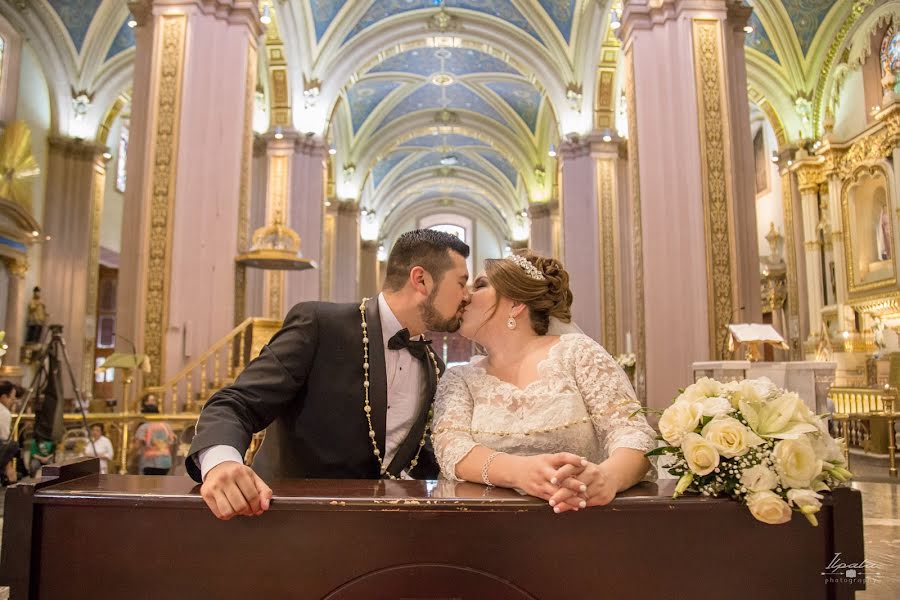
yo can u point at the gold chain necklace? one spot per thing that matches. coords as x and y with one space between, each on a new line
368 408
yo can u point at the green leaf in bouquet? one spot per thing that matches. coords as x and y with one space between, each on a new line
662 450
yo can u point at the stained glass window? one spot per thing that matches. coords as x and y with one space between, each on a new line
452 230
2 47
890 51
123 155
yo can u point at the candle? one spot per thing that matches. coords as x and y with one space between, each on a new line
628 343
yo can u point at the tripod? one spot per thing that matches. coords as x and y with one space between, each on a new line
48 383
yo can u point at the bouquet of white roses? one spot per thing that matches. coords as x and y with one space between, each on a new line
626 360
753 442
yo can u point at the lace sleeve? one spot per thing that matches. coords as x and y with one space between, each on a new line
610 399
452 422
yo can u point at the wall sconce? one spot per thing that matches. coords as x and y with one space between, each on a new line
552 151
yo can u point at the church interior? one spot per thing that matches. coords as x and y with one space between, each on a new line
175 175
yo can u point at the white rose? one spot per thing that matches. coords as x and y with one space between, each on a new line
759 478
806 500
701 456
768 507
776 418
796 462
730 437
679 419
825 446
715 405
702 388
751 390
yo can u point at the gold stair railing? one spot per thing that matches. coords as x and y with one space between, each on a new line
854 406
215 368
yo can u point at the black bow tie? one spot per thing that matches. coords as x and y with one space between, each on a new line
416 347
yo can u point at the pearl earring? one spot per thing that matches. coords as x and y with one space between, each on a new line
510 323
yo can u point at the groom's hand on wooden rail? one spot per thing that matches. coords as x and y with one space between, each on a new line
231 489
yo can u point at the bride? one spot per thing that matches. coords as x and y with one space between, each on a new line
551 415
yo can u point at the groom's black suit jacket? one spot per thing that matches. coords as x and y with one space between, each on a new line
306 386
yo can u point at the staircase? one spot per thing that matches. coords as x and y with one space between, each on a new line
216 368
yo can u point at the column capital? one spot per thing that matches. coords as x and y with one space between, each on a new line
310 146
76 147
647 14
346 207
16 266
596 143
810 174
234 12
537 211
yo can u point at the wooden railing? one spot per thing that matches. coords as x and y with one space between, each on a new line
856 408
215 368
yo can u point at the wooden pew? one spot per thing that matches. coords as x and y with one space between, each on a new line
78 534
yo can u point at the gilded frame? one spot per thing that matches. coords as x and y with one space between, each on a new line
866 170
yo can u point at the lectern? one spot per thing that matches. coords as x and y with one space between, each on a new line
78 534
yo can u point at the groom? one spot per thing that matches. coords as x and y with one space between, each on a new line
330 411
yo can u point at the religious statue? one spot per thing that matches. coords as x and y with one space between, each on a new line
883 227
878 334
37 318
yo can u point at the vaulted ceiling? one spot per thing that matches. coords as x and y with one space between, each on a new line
443 102
423 97
799 50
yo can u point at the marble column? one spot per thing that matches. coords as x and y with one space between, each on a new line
797 327
306 209
76 176
189 178
346 262
543 231
590 215
846 320
695 259
253 279
808 175
15 310
369 272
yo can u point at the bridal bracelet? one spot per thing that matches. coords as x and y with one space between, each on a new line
484 469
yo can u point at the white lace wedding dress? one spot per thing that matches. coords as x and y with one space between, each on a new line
582 403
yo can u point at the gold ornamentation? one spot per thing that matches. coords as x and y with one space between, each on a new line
637 245
876 146
275 285
791 260
885 306
809 177
98 188
849 258
707 63
243 233
367 408
18 167
165 148
606 172
858 9
280 97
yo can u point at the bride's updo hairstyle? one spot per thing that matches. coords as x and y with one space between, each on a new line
538 282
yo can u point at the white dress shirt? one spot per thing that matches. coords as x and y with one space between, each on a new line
104 452
406 383
5 422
